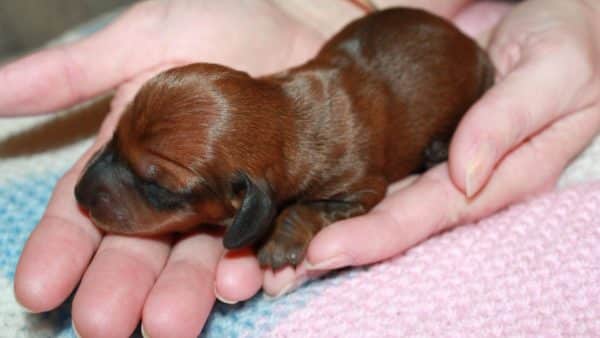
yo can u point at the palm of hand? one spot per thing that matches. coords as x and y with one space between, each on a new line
256 38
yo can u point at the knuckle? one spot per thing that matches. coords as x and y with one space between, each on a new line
520 124
505 56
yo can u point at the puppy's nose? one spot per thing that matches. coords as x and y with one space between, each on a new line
92 196
102 204
83 198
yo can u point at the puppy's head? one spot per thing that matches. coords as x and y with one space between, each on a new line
177 160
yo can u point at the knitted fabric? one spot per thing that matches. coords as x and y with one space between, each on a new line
531 271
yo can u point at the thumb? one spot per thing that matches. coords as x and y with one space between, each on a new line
63 75
537 90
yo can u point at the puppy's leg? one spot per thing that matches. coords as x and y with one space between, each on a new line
297 224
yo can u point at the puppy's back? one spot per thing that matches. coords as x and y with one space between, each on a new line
433 70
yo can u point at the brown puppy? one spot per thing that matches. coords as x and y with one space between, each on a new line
278 158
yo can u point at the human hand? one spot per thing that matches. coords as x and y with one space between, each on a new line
514 142
167 282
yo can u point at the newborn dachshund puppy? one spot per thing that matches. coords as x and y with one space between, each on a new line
278 158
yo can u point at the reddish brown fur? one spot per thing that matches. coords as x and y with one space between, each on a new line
323 140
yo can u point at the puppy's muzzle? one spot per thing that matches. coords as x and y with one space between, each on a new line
98 193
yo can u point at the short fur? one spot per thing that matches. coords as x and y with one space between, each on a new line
278 158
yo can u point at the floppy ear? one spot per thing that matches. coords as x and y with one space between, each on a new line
254 218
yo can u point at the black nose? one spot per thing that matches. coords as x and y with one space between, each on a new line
94 186
92 195
81 197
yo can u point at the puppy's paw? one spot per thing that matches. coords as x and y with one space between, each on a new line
280 251
296 226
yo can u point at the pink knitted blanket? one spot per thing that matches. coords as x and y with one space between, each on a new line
530 271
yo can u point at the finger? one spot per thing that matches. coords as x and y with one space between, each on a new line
108 269
279 282
433 203
183 295
402 184
63 75
112 293
61 245
56 253
529 98
63 242
233 268
537 164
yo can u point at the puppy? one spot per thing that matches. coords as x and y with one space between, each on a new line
278 158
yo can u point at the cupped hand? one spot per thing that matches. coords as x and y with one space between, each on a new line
514 142
169 283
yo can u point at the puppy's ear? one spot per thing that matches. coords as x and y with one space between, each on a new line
254 218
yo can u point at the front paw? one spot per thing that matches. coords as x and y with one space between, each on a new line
280 251
294 228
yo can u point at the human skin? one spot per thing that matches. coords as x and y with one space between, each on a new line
155 274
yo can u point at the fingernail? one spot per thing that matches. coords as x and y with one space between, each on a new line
292 286
144 333
223 299
288 288
478 165
335 262
75 329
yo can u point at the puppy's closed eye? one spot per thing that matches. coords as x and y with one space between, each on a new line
161 198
